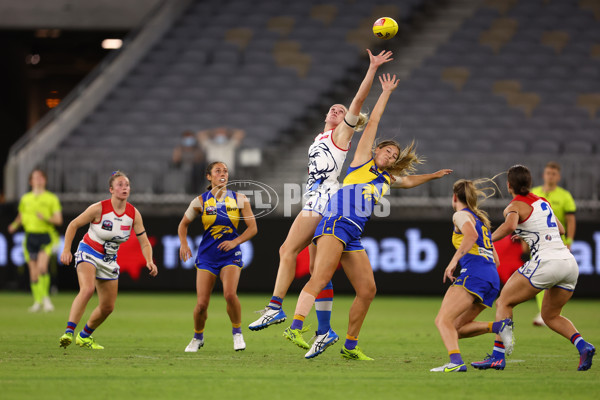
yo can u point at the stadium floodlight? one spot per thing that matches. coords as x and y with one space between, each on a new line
111 44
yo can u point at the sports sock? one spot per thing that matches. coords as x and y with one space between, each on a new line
323 307
298 322
578 341
86 332
71 327
275 303
236 328
199 334
351 342
44 282
495 326
498 349
455 357
35 291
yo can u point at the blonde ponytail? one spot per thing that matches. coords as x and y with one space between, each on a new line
470 193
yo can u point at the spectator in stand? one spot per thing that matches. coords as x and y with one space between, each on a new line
223 143
189 157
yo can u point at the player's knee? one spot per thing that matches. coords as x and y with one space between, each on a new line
286 251
439 320
86 292
230 296
201 307
368 291
107 309
549 315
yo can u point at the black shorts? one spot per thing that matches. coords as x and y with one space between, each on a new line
34 242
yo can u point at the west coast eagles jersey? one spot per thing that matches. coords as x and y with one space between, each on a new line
482 252
220 220
362 189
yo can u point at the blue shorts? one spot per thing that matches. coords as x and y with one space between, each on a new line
342 229
216 267
484 288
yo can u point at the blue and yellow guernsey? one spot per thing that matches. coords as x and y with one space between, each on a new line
220 220
361 190
482 252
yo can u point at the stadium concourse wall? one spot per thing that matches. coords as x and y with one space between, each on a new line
408 257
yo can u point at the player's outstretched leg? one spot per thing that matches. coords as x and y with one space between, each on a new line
271 315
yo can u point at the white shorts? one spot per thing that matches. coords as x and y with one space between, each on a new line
546 274
106 268
317 201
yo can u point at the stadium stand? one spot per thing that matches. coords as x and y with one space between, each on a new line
516 82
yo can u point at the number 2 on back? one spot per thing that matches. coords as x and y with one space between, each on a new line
549 220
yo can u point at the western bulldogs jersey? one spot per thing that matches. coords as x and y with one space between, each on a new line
113 229
220 220
540 230
325 160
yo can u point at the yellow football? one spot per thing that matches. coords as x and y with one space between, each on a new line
385 28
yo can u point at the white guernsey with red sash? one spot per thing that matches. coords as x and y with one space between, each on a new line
106 236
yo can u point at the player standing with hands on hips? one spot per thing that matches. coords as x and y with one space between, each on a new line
111 223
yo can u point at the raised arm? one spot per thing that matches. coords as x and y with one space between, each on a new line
410 181
364 150
343 132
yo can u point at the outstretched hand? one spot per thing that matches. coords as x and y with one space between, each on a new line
442 173
381 58
388 83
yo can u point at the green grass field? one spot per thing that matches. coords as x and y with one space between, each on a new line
145 336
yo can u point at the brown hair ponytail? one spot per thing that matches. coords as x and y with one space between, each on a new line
519 179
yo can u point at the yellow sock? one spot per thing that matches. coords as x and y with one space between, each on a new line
44 282
35 291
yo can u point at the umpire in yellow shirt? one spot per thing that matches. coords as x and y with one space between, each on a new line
39 212
563 206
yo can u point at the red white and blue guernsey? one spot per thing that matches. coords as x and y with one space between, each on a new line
551 263
540 230
100 244
325 161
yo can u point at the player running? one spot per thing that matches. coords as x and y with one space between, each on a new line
552 268
478 284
